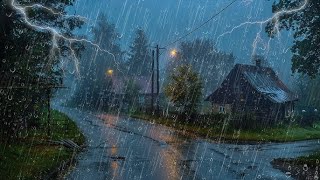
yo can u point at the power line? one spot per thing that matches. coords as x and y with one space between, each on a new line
200 26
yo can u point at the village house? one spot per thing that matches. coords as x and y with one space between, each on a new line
256 90
117 95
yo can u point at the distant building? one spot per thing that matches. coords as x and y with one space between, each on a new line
117 95
256 90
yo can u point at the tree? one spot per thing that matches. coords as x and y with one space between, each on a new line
205 59
184 90
308 91
94 66
305 24
308 105
131 92
139 62
30 58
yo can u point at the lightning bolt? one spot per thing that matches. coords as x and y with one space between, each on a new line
56 34
275 30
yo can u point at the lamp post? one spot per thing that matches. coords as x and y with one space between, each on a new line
106 94
152 83
174 54
158 75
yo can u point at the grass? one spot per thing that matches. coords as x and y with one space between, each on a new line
310 159
276 134
31 156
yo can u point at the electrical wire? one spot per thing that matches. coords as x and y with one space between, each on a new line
201 25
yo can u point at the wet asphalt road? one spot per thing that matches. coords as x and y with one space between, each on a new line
129 149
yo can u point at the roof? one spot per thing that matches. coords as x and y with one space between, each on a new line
270 86
262 79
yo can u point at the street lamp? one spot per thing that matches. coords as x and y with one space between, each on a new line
173 53
109 72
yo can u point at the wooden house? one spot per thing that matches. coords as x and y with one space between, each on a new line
255 90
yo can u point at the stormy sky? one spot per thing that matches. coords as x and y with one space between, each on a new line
166 20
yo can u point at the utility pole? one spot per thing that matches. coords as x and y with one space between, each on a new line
158 78
49 111
157 53
152 83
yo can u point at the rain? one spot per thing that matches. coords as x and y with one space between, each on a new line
159 89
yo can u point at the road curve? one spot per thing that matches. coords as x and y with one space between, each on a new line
124 148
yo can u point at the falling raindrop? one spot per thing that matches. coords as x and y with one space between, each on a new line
9 15
13 70
259 176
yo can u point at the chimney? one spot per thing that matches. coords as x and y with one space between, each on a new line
258 62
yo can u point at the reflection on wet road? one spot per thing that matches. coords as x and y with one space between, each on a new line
125 148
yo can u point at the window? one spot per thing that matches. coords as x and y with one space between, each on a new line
221 109
236 87
289 110
141 99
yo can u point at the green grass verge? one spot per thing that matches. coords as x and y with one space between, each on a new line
276 134
31 156
312 159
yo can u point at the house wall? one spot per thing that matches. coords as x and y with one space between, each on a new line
227 108
249 100
205 108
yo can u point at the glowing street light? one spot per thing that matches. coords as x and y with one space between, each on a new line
174 53
109 72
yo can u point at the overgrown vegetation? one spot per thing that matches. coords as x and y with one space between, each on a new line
218 127
32 156
30 59
304 167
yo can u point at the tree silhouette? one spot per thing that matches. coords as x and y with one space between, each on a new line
306 27
139 62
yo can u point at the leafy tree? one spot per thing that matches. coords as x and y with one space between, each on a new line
139 62
308 105
205 59
306 27
30 59
95 80
308 91
184 90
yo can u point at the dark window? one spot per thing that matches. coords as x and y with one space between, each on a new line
221 109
